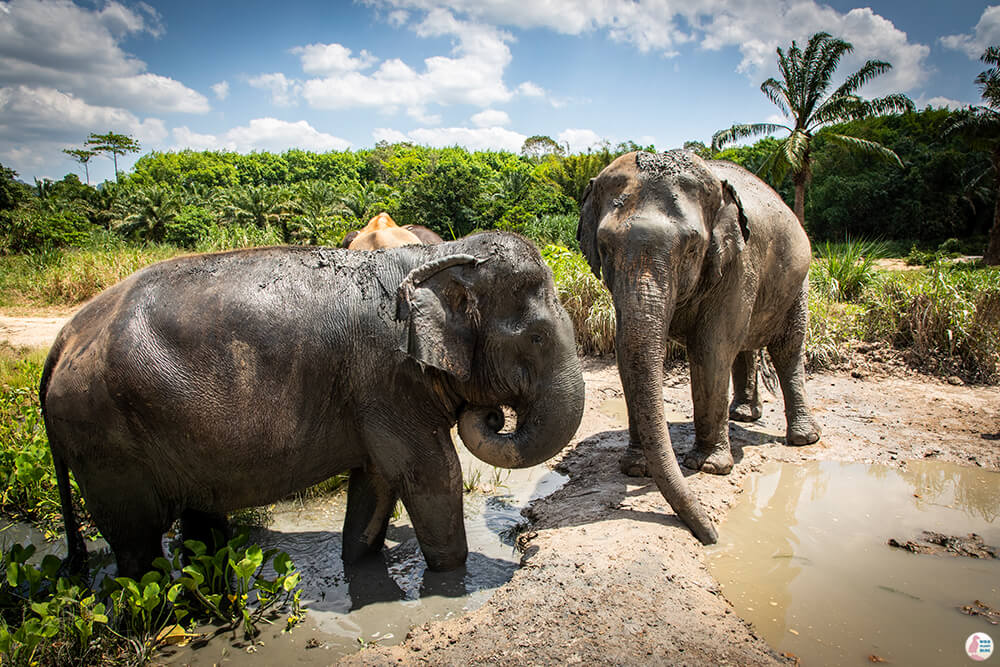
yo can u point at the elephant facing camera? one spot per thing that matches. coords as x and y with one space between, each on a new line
705 254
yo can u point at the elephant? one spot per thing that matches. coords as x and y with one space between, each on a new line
392 237
207 383
383 232
703 253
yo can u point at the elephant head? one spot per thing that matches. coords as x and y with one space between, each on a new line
661 230
490 319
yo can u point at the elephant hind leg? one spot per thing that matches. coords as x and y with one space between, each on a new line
788 355
369 505
134 529
210 528
746 405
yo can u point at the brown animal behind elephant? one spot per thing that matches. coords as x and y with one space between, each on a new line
383 222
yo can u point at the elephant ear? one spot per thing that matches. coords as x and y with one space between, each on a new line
730 232
586 231
440 312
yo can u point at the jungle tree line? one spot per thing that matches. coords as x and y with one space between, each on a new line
944 189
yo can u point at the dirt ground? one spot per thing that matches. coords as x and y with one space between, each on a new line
610 576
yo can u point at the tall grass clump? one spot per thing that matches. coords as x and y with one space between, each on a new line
557 230
948 316
58 277
235 237
583 296
845 269
832 327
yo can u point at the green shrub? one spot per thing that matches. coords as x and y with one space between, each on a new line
28 229
585 299
845 269
190 225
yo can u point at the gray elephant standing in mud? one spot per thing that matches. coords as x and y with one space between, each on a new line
209 383
706 254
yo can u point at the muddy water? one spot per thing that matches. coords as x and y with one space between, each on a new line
803 556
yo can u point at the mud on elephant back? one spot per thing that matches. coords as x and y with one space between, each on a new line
208 383
707 255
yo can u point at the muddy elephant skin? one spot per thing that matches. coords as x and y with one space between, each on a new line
208 383
705 254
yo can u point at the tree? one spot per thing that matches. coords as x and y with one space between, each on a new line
154 209
115 144
363 200
539 146
801 96
259 205
981 125
81 155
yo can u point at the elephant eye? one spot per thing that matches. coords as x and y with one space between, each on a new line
537 339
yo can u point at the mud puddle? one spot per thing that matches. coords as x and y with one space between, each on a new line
804 556
380 600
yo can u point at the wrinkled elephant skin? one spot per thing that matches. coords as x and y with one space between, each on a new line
208 383
705 254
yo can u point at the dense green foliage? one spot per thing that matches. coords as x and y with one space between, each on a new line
940 192
49 618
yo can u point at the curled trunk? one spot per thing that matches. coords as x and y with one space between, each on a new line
544 425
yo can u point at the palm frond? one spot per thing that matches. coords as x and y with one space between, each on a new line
738 132
795 148
872 148
777 93
836 109
882 106
868 71
775 168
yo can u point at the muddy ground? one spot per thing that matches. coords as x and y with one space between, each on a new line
610 576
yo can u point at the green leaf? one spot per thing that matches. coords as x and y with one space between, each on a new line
12 572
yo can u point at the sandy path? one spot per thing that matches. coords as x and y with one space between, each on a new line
22 331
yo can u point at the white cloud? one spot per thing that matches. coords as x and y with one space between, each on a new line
940 103
986 33
262 134
332 59
579 139
480 138
284 91
472 74
490 118
30 114
529 89
57 44
756 28
221 90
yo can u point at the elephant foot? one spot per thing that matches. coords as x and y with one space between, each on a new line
633 462
715 460
745 411
804 431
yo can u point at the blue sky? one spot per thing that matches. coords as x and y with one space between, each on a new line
336 75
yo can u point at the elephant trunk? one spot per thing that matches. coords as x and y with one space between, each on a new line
640 343
544 426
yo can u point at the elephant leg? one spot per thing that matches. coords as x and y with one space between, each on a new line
746 405
788 355
209 528
134 529
710 369
633 461
431 490
369 505
643 317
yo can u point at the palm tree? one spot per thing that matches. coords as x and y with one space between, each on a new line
802 97
365 199
154 207
981 125
259 205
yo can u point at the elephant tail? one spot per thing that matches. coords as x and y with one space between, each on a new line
767 373
77 550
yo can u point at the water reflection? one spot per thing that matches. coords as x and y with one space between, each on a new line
803 556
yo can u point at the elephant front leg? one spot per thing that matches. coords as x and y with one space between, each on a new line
370 500
633 460
432 493
710 394
746 405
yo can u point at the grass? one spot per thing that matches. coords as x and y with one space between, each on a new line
843 270
585 299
